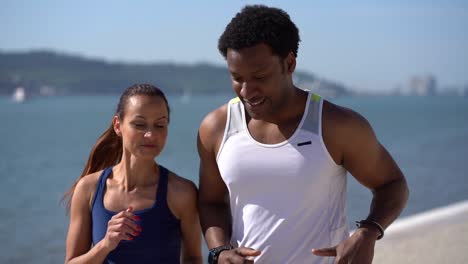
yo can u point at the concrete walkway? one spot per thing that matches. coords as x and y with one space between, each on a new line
439 236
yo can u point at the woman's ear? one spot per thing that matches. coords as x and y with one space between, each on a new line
116 125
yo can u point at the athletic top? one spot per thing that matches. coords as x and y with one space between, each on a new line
285 198
160 238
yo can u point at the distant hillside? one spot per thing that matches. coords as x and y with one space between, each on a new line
50 73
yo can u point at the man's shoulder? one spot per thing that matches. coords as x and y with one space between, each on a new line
215 120
344 126
211 130
340 116
343 129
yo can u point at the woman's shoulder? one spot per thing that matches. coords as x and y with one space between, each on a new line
86 186
90 180
181 195
180 184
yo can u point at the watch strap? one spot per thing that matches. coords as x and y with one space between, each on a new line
373 223
214 253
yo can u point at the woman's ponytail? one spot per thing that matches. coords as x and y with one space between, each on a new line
106 152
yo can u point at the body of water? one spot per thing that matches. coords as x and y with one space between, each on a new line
46 141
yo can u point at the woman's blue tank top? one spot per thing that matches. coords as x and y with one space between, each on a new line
160 238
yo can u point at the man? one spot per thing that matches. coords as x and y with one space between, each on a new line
273 161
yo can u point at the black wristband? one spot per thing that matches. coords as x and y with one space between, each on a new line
372 223
214 253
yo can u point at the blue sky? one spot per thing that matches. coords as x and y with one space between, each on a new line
367 45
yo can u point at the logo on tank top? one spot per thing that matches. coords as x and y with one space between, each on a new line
304 143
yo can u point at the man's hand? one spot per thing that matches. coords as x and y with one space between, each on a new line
357 249
238 256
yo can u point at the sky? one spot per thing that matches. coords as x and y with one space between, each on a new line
366 45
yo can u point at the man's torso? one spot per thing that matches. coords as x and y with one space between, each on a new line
286 198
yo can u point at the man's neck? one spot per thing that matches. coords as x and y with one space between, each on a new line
291 111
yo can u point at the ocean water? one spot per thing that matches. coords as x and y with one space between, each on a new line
45 143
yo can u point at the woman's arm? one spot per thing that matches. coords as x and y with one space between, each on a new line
119 227
79 232
183 201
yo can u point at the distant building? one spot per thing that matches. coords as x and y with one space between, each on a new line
423 85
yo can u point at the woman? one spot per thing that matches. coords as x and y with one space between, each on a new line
125 208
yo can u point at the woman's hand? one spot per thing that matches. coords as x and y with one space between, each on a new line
120 227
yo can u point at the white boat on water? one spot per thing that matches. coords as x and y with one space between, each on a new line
19 95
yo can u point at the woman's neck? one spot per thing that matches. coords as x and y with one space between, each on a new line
132 173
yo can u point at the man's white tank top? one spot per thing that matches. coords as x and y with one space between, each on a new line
285 198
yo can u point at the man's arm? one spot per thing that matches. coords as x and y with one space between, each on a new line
371 164
213 202
352 143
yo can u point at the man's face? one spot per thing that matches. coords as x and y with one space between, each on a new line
260 79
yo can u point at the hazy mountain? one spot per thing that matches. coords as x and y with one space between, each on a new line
51 73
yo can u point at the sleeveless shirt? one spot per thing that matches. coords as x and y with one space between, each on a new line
285 198
160 238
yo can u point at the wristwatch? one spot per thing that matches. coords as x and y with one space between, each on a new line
373 223
214 253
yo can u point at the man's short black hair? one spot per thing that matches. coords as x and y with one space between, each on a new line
256 24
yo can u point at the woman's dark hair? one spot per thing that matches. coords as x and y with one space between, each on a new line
256 24
107 151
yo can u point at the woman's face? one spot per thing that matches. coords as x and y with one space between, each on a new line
144 126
